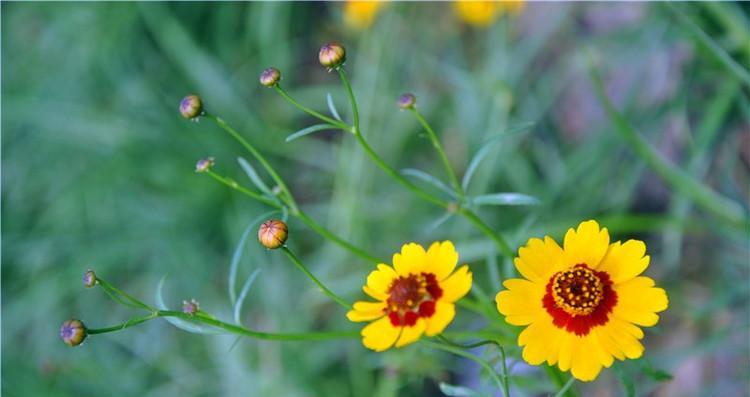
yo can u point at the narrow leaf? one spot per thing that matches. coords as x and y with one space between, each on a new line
485 150
457 391
309 130
237 255
180 323
437 222
254 177
243 294
505 199
425 177
332 107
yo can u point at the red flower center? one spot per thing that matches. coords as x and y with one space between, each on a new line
579 299
412 297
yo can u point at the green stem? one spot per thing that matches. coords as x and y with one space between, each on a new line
565 387
352 99
500 242
506 388
439 148
457 351
336 239
235 329
311 112
244 190
317 282
115 292
258 156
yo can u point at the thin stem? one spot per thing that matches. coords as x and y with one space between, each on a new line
504 368
258 156
506 388
439 148
352 99
457 351
317 282
235 329
113 291
244 190
311 112
336 239
566 387
500 242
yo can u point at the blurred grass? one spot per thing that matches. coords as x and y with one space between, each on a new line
98 172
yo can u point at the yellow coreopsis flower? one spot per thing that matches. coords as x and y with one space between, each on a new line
484 13
416 296
582 303
361 14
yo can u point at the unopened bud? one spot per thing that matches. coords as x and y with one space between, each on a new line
191 107
204 165
190 307
73 332
270 77
89 279
272 234
407 101
332 55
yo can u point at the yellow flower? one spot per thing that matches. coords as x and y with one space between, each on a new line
416 296
361 14
583 303
484 13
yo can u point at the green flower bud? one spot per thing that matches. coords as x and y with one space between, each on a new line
203 165
407 101
191 107
332 55
73 332
270 77
89 279
272 234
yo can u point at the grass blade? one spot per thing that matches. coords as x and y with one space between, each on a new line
309 130
485 150
332 107
237 255
425 177
505 199
254 177
243 294
457 391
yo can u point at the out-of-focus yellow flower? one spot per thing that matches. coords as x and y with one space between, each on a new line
361 14
416 296
484 13
583 303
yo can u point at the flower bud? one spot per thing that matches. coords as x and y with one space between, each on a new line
332 55
73 332
191 107
204 165
89 279
272 234
407 101
270 77
190 307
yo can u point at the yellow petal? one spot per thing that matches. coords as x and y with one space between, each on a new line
444 313
521 302
625 337
538 340
457 285
410 260
441 259
625 261
411 334
586 363
587 244
366 311
565 353
380 280
539 259
381 296
379 335
638 301
607 343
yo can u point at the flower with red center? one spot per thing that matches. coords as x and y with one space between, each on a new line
416 296
582 303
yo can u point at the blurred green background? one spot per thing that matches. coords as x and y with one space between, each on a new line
97 172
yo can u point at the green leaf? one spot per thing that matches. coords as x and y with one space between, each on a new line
627 381
485 150
178 322
237 255
457 391
309 130
332 107
425 177
243 294
505 199
254 177
439 221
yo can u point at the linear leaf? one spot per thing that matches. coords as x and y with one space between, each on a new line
437 222
237 255
485 150
243 294
254 177
425 177
180 323
332 107
457 391
505 199
309 130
